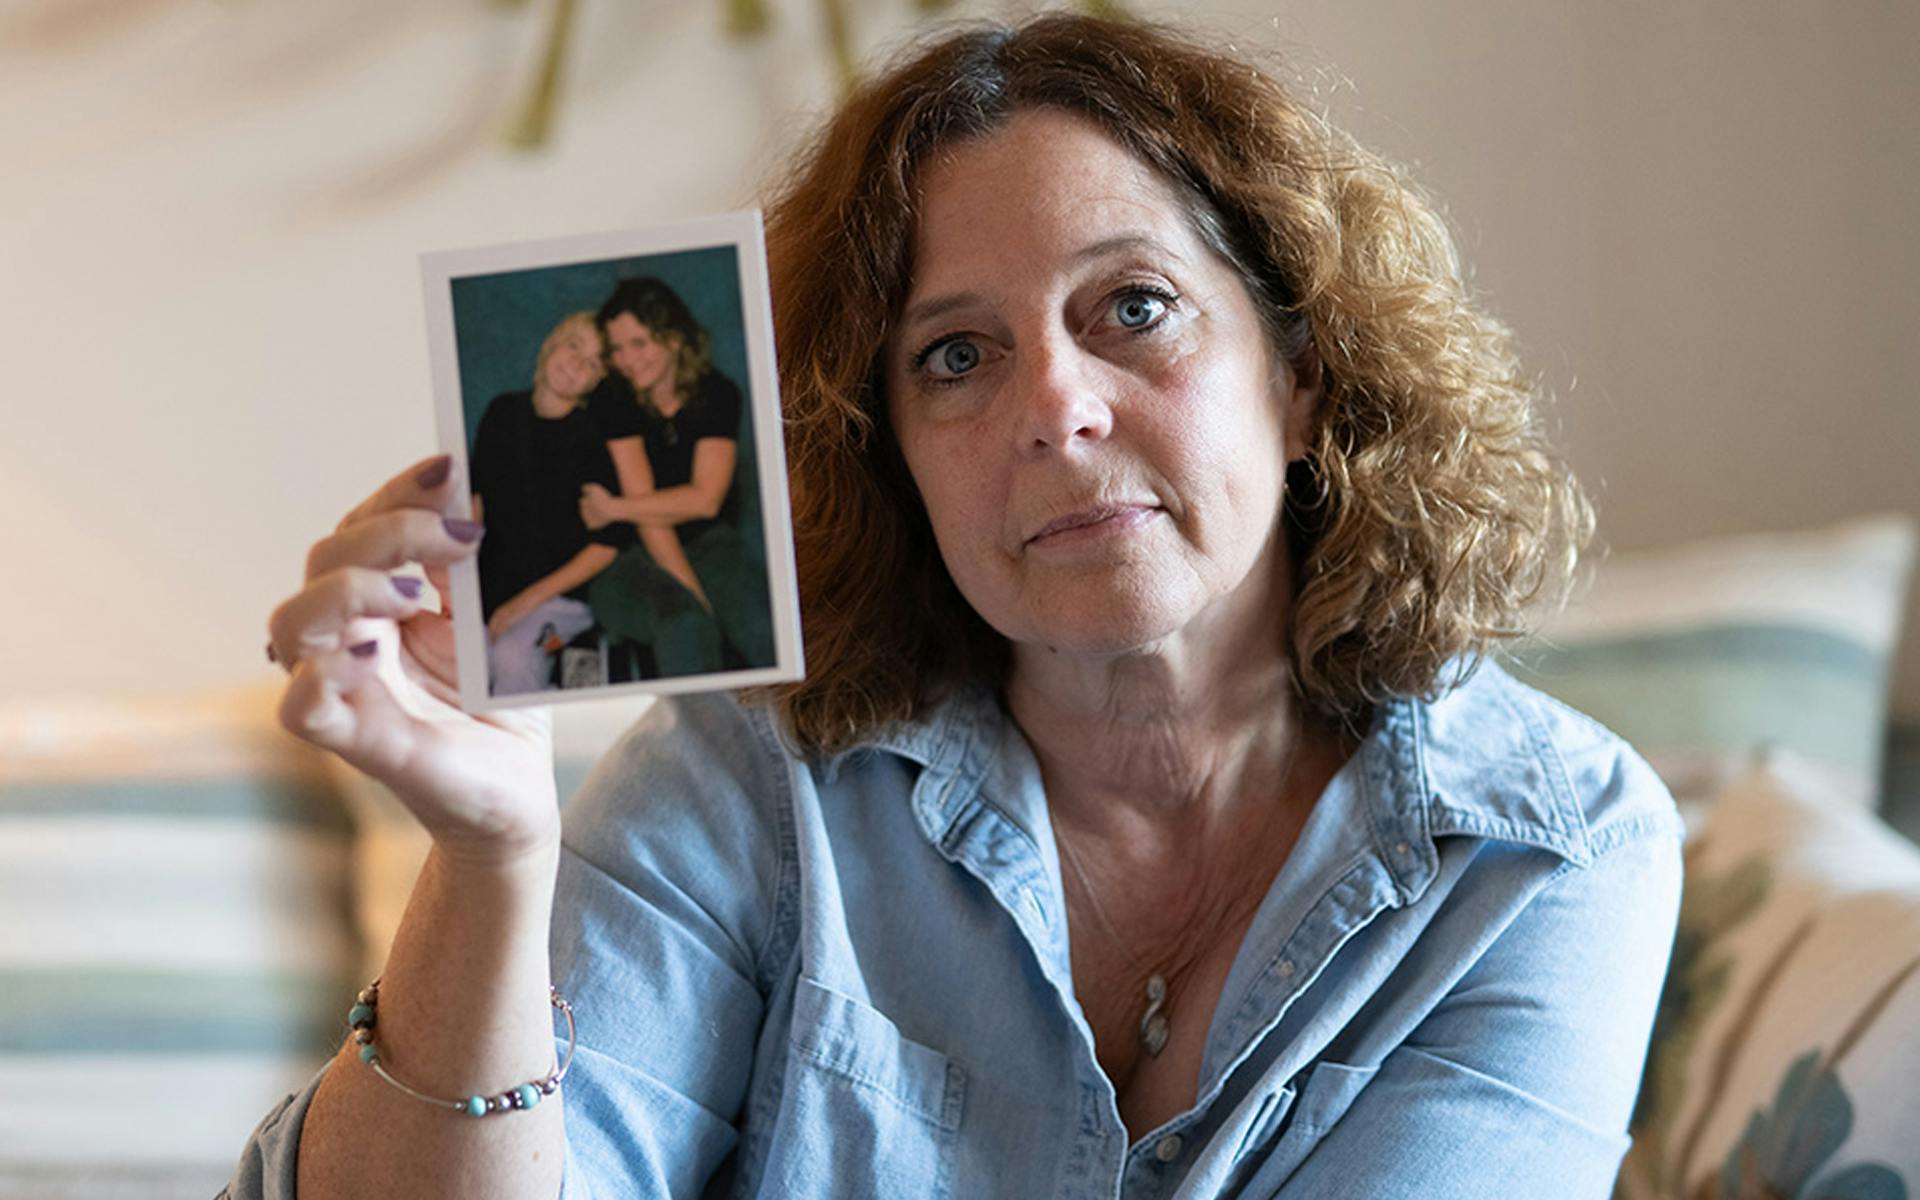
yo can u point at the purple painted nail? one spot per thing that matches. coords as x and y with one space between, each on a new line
363 649
463 530
434 473
408 586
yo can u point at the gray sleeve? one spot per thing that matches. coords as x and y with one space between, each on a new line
266 1168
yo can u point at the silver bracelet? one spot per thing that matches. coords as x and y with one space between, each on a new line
360 1019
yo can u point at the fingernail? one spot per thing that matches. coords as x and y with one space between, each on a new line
408 586
363 649
434 473
462 530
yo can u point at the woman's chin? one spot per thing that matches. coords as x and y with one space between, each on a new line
1118 627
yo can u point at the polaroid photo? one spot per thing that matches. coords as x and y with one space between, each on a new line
610 402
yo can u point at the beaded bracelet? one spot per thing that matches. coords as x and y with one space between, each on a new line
360 1020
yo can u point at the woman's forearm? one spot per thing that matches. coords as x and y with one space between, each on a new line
463 1010
590 561
672 505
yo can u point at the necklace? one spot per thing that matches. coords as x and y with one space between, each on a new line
1154 1019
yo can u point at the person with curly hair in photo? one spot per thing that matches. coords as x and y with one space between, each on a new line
672 424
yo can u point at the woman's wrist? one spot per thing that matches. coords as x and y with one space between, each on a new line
513 860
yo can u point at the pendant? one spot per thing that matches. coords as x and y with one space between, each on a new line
1153 1022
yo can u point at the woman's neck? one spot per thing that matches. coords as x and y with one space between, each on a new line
665 395
552 405
1191 727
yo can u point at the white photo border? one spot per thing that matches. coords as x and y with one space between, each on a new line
742 231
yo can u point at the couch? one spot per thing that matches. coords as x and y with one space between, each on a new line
188 897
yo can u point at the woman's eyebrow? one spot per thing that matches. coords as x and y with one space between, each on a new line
1125 243
1122 243
927 310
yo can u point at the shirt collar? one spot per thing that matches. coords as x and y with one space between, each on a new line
1478 761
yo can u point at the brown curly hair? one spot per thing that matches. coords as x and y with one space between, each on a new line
1430 513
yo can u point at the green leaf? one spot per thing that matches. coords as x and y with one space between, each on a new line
1810 1122
1861 1181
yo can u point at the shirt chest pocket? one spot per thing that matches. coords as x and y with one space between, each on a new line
1289 1130
865 1111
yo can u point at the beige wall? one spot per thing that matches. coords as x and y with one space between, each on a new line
1696 216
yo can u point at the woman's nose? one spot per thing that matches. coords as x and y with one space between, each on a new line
1060 404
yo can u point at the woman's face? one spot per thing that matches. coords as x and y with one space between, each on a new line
573 364
637 354
1085 394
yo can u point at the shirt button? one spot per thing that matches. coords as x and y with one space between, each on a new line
1401 849
1168 1149
1286 967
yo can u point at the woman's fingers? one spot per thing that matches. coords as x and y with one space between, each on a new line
385 540
426 484
314 706
428 642
314 620
338 701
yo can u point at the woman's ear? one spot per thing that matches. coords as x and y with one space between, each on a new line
1300 404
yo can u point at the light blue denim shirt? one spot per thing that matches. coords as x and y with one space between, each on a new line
846 979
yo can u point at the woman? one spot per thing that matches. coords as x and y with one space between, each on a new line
1141 827
532 452
672 425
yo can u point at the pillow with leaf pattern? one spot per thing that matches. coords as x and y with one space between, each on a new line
1786 1049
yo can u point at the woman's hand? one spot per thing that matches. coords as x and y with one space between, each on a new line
374 678
596 510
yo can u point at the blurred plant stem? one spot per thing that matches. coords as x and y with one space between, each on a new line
530 129
840 42
747 18
533 123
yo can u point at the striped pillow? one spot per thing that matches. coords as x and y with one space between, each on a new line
1701 653
175 942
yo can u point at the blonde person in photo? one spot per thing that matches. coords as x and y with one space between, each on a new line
1150 823
532 453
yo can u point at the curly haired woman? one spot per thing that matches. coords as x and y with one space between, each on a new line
1149 823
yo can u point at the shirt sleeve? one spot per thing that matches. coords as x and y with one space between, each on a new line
487 462
668 890
719 410
1521 1081
664 914
614 409
267 1162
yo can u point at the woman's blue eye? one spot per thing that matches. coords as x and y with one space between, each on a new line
1137 310
957 357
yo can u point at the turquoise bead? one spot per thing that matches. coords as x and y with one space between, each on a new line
368 1053
359 1013
476 1106
529 1095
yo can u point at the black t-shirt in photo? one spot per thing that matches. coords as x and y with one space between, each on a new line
528 471
712 411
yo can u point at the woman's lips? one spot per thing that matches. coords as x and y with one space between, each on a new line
1090 523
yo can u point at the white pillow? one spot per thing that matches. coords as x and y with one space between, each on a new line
1700 653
